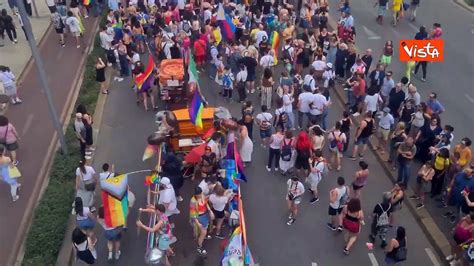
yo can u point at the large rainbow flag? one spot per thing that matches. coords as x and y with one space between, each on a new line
225 23
196 106
115 210
275 44
144 80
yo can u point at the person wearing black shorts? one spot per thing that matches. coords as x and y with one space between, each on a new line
218 201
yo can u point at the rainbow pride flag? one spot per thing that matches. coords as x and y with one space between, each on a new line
151 179
197 105
275 44
225 24
150 150
87 2
115 210
144 80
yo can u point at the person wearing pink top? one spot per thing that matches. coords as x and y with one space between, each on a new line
9 138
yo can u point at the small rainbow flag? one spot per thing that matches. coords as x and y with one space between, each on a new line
225 23
151 179
275 44
195 110
115 210
87 2
143 80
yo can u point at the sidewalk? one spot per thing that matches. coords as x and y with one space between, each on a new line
33 124
16 56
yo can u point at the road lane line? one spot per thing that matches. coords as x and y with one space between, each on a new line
314 264
27 126
413 27
469 98
371 34
432 257
373 260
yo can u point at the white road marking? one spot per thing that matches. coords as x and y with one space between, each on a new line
432 257
27 126
469 98
373 260
372 35
314 264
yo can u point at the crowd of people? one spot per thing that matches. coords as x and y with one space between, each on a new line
292 117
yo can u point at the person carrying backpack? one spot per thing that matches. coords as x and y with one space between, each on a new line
381 220
286 153
227 83
396 250
281 117
337 139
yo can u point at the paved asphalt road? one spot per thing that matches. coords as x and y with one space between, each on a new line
452 79
122 140
34 126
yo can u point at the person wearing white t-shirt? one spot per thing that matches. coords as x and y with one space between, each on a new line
317 167
217 201
317 106
385 124
168 197
308 81
264 121
288 105
74 27
108 172
85 177
267 60
260 36
372 101
293 197
304 99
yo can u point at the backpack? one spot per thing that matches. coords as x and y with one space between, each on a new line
283 117
401 253
209 53
285 55
344 199
227 81
336 142
247 115
286 151
383 220
186 27
307 87
161 53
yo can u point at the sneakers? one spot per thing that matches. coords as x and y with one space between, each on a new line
314 200
87 157
78 46
16 162
340 228
179 198
414 197
290 216
352 158
268 169
111 256
219 236
450 258
276 169
361 157
331 227
291 221
420 205
423 80
117 255
208 237
448 214
346 251
201 251
15 198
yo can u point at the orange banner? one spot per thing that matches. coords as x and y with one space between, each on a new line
421 50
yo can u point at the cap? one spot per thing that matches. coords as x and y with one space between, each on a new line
386 110
165 181
329 65
78 115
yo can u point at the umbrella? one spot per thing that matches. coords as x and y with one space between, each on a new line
195 154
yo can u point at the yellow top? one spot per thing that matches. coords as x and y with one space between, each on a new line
396 6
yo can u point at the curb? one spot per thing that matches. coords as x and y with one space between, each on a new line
42 179
66 253
464 5
436 237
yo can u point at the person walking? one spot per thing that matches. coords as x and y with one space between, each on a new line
85 183
9 83
74 27
397 9
288 153
303 106
396 250
8 26
353 218
240 81
100 75
246 145
382 10
275 144
381 220
463 232
423 180
264 123
112 235
397 137
338 198
200 214
5 168
267 88
386 122
303 152
9 138
337 140
363 132
293 197
59 26
346 124
360 179
84 246
288 105
405 153
317 167
168 197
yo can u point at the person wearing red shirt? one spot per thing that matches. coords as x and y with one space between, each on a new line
358 90
200 52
